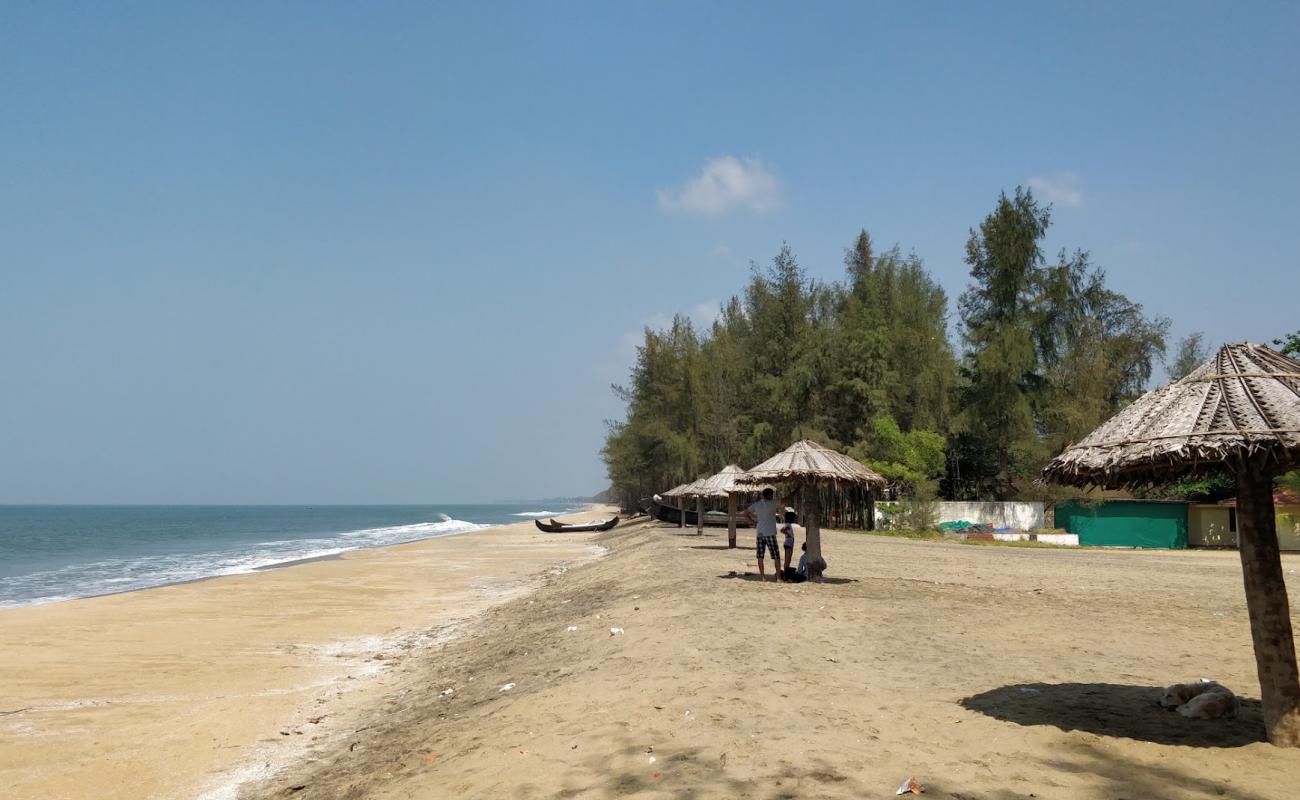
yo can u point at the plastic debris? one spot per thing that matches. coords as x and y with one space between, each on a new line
910 786
448 692
653 759
506 688
571 628
615 631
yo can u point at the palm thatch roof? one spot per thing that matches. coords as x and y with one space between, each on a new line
679 491
722 484
809 462
1243 403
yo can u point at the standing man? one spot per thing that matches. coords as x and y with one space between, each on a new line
762 515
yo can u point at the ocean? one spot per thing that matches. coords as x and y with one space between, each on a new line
52 553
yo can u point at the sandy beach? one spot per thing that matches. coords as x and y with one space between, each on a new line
187 690
985 671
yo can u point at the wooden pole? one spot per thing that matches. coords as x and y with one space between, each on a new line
731 520
1266 602
681 511
812 513
699 514
871 509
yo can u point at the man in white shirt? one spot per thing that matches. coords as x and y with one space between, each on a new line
762 515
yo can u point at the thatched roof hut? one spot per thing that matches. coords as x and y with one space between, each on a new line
680 493
1242 404
807 462
722 484
804 467
1239 412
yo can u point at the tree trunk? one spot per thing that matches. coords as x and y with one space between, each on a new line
731 520
681 511
699 514
813 536
1266 601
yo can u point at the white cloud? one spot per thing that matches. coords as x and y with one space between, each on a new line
701 315
726 183
1061 189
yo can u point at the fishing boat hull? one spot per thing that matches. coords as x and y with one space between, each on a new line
551 526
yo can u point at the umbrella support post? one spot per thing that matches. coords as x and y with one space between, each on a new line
731 520
699 515
1266 601
681 511
813 535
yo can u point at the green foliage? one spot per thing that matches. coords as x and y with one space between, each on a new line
912 461
1289 344
1190 353
791 358
1051 352
865 366
1289 480
1205 488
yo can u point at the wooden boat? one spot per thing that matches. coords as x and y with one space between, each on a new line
712 519
551 526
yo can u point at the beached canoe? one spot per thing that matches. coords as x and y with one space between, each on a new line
551 526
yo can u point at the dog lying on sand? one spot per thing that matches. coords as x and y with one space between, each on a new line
1204 699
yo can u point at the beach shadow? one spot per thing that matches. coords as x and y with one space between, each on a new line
1108 709
712 547
696 773
753 576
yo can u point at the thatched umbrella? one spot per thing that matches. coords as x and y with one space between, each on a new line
1239 411
807 466
679 492
724 485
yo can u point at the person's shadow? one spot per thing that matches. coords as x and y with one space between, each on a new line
1109 709
753 576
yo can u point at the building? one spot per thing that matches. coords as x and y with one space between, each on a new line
1216 525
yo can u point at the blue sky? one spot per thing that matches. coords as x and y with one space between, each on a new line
361 253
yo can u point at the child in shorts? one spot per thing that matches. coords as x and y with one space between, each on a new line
787 528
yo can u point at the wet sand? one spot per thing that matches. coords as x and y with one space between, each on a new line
187 690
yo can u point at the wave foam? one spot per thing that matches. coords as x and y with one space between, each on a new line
120 575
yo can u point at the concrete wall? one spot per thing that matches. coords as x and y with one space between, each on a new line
1208 526
1047 538
1288 527
1017 516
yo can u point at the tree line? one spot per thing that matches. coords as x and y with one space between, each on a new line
1045 352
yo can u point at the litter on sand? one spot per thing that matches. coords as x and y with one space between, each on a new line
448 692
615 631
506 688
571 628
910 786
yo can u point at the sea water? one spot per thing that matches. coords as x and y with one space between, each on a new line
51 553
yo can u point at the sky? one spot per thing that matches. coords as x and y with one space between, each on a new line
398 253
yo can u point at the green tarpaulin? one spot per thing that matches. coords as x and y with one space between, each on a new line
1125 523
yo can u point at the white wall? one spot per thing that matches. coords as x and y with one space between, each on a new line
1017 516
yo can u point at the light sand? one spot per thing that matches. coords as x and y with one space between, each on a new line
182 690
986 672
